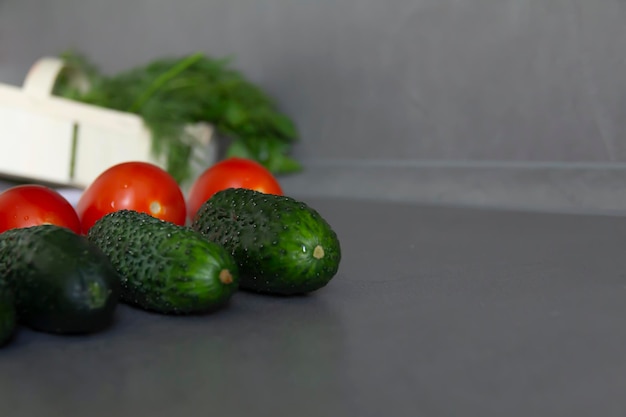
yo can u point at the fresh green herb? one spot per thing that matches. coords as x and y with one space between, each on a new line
170 93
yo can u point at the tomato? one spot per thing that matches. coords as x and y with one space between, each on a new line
32 205
134 185
230 173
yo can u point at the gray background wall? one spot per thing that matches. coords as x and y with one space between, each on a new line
509 103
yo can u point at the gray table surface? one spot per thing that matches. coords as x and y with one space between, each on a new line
434 312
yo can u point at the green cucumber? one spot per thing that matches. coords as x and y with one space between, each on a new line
282 245
61 282
165 268
8 318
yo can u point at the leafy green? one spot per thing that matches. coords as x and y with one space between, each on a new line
170 93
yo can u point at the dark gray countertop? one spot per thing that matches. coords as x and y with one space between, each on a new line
434 312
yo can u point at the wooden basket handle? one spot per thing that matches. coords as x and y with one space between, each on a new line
43 74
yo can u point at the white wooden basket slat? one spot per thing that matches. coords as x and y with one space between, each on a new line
52 139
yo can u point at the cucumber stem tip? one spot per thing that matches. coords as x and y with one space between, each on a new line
318 252
226 277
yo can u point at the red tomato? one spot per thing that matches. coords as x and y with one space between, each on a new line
231 173
134 185
32 204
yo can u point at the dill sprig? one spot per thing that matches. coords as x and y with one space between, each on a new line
170 93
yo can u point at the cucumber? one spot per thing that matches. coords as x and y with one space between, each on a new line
282 245
165 268
8 317
61 282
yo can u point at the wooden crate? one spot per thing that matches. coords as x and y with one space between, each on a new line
50 139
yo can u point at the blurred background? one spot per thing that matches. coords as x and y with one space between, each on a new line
500 103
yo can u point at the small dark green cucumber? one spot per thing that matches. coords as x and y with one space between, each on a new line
165 268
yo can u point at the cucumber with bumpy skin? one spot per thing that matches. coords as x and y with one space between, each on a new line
7 312
165 268
61 282
282 245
